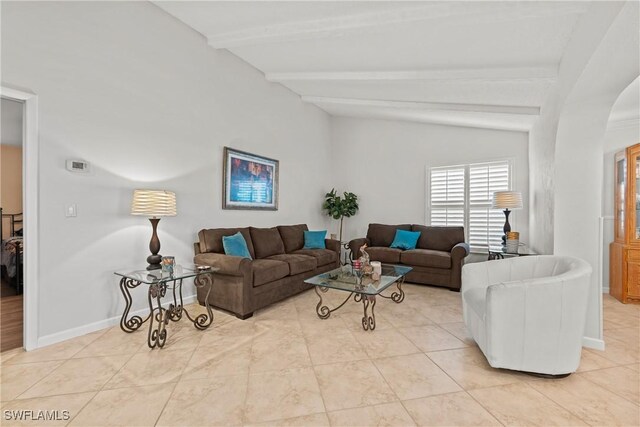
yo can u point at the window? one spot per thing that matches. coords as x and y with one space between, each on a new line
462 195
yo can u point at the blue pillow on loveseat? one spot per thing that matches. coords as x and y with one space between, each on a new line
405 240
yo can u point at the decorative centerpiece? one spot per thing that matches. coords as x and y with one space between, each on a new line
168 262
377 270
513 241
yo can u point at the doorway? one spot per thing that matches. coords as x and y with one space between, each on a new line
28 103
12 224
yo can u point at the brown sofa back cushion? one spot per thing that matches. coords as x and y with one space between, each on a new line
292 236
383 234
211 239
266 242
438 238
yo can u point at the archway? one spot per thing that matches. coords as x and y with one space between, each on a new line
579 152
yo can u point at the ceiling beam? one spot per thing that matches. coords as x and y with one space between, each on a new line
459 13
547 73
425 106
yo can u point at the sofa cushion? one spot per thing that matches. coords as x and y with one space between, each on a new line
266 242
426 258
388 255
297 263
268 270
382 234
292 236
475 298
322 256
211 239
438 238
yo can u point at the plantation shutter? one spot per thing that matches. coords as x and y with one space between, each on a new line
485 224
447 196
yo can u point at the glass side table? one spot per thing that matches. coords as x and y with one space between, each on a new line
500 252
158 283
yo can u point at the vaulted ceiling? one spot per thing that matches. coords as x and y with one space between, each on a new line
468 63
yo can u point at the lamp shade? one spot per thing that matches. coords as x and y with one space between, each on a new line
153 203
507 200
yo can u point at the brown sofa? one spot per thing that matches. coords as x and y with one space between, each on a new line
278 268
437 259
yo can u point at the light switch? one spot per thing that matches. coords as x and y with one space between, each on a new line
71 211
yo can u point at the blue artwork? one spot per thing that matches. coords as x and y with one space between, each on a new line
251 182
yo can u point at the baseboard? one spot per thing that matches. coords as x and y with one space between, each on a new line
605 289
594 343
97 326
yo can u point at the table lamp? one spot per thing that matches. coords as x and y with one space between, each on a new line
507 200
154 204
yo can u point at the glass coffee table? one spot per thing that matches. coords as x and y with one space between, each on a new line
158 282
363 289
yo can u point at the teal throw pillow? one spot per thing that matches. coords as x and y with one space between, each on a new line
405 240
314 239
236 245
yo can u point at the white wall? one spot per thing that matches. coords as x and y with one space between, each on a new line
385 164
618 136
143 98
587 35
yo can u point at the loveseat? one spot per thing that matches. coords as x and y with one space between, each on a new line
436 260
277 270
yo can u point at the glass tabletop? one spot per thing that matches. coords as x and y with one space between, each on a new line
158 276
522 250
344 279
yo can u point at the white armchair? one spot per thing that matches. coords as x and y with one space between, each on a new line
528 313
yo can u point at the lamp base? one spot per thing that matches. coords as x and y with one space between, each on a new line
507 227
154 262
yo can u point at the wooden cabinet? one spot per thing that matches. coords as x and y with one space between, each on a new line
624 252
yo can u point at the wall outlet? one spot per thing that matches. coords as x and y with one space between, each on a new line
71 211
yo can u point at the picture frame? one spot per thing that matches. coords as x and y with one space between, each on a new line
250 181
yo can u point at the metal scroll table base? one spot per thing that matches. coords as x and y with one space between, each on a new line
159 316
368 304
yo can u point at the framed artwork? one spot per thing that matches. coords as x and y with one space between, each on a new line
250 181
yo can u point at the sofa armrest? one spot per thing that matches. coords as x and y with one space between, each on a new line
229 265
355 246
196 248
333 245
460 251
458 254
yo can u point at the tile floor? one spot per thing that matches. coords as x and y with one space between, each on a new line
285 366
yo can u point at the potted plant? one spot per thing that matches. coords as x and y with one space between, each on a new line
338 207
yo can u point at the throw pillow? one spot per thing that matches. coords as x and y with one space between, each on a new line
314 239
235 245
405 240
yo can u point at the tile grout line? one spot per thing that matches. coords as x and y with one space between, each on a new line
560 405
246 391
102 387
165 404
62 362
464 390
607 389
179 379
315 374
66 394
